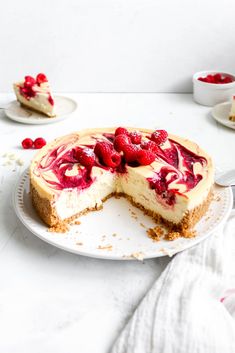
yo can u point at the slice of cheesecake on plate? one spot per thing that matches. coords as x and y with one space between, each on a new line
35 94
232 111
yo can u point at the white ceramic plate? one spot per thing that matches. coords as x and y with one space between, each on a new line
64 107
220 113
118 231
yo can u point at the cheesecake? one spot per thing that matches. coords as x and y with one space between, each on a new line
35 94
232 111
170 178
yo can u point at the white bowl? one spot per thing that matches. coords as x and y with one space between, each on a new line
211 94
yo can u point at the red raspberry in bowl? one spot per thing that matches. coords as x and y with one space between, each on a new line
121 131
145 157
216 79
39 143
226 80
135 137
159 136
27 143
120 142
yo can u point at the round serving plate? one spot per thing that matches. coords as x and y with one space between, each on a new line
64 108
118 231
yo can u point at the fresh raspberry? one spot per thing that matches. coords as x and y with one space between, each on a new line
145 157
120 142
27 143
102 148
130 153
107 154
86 157
227 80
29 81
159 136
41 78
217 78
150 146
112 159
121 131
203 79
39 143
135 137
210 79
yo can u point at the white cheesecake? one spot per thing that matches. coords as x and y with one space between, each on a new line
232 111
172 180
35 94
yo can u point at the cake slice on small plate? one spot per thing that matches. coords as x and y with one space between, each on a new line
35 93
232 111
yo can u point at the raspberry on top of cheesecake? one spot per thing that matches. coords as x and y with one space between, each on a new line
35 93
169 177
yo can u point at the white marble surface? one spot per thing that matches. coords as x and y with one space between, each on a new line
53 301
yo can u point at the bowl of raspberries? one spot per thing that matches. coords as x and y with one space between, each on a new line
213 87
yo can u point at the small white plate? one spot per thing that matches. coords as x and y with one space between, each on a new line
118 231
64 107
220 113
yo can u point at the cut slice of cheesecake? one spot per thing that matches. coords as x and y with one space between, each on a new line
35 94
232 111
171 180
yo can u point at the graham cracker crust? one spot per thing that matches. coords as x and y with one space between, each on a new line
48 214
232 118
35 110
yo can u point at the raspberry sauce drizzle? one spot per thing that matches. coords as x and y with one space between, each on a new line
60 162
166 175
51 100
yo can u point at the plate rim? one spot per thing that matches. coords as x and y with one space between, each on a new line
45 120
104 256
222 121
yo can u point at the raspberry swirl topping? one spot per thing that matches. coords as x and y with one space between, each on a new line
73 162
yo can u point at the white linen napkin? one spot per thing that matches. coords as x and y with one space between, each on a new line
191 307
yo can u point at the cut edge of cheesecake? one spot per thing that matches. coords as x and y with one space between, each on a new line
49 215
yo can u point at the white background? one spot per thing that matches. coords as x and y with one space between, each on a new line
115 45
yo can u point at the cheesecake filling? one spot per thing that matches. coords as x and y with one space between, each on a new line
74 200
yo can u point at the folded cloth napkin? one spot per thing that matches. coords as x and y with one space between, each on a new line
190 308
